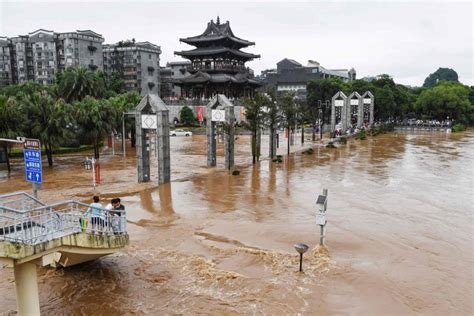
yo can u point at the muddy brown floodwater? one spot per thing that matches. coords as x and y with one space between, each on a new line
399 234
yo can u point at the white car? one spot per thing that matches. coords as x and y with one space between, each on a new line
180 132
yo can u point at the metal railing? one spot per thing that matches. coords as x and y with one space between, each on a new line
19 201
47 222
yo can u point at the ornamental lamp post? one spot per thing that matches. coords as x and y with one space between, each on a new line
320 111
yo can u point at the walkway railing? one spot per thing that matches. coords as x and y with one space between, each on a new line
47 222
20 201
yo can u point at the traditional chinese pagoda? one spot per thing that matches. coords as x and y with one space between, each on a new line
217 64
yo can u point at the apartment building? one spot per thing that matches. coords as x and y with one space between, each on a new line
5 62
137 62
41 54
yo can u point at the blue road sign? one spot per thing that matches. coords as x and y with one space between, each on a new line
33 168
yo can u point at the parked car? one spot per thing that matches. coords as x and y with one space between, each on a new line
180 132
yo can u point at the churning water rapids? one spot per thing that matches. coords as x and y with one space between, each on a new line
399 234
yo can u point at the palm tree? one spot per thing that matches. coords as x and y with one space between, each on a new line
75 83
12 122
49 120
95 119
121 104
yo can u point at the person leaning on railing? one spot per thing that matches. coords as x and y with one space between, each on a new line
97 215
116 215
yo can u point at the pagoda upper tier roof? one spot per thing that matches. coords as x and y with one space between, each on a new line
213 51
216 32
203 77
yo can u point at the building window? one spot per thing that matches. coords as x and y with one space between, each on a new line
149 56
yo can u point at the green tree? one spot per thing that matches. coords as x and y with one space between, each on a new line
384 103
289 114
50 120
186 116
320 91
254 120
94 119
27 88
120 104
12 123
442 74
116 82
302 115
75 83
272 118
383 80
447 99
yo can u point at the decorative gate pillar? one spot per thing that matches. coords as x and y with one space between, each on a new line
152 114
368 108
353 109
338 111
220 109
229 137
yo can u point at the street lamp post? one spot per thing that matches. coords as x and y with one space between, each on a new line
319 116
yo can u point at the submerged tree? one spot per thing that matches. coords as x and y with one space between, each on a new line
254 121
320 91
49 120
289 115
94 119
272 118
12 123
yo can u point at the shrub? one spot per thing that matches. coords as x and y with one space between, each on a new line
278 159
330 145
458 128
308 151
361 135
236 173
342 140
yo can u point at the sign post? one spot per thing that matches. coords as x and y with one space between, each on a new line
33 166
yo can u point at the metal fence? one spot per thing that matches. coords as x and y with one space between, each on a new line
47 222
19 201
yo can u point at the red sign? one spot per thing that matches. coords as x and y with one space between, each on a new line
200 113
31 143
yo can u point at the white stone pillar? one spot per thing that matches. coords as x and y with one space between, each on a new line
26 286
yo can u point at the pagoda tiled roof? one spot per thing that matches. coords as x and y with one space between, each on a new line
209 51
216 32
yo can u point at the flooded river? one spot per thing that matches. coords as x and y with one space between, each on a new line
399 235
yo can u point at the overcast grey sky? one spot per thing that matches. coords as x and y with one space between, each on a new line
408 40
